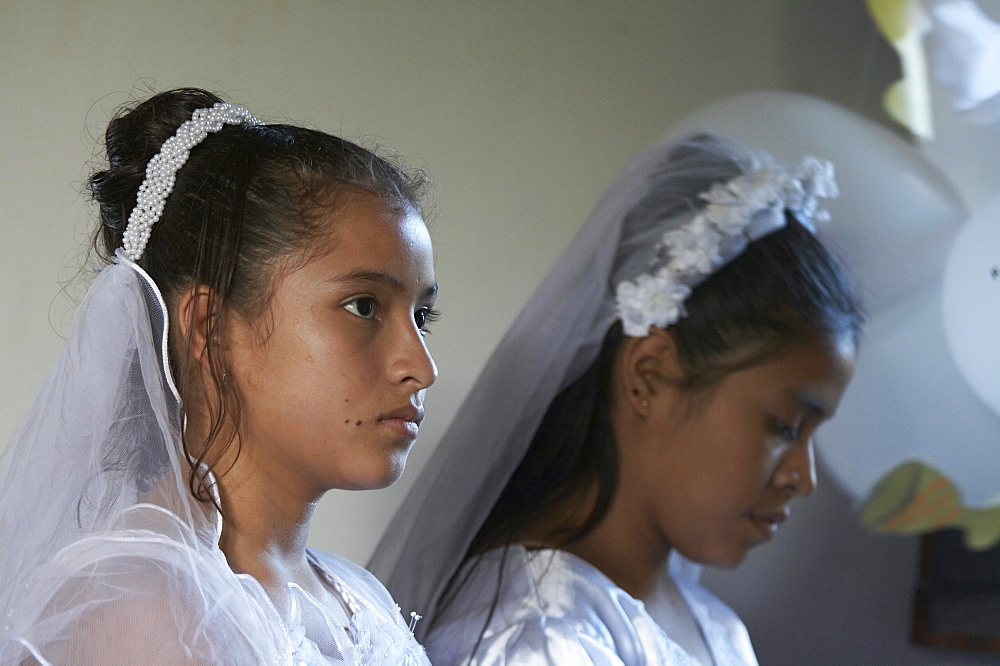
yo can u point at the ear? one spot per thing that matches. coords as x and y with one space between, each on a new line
650 368
193 320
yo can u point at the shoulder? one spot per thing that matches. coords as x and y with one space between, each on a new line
128 598
551 608
721 626
533 640
360 581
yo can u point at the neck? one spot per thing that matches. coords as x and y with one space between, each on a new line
627 544
266 518
265 525
622 545
624 548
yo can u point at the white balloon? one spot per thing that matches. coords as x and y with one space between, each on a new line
896 210
971 303
908 401
893 223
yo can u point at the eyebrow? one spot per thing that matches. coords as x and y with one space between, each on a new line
375 277
814 407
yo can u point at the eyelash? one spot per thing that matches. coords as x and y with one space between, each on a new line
787 433
429 315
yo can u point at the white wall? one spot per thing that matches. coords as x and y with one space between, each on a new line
521 112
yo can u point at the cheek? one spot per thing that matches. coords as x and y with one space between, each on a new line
310 378
774 451
338 386
740 468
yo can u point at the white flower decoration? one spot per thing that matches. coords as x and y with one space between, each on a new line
693 251
660 297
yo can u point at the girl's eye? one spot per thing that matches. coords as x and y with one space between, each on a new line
788 433
424 317
363 307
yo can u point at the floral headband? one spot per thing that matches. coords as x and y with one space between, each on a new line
737 212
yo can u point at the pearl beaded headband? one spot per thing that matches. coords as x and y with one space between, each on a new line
161 172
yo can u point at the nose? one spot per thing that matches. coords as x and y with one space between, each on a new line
796 474
413 362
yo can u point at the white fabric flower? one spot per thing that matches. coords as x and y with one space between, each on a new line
694 248
753 205
650 300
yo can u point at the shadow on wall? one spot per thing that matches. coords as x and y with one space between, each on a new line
827 591
833 50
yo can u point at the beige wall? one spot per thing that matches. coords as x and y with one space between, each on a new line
521 112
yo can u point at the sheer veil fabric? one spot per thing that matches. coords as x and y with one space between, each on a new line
556 336
105 557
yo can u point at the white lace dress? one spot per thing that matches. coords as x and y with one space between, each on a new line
555 608
145 595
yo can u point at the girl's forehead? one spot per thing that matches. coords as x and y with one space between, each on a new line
369 239
814 376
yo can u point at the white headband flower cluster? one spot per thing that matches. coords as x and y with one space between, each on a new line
161 172
741 210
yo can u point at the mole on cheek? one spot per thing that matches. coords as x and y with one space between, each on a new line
358 423
346 421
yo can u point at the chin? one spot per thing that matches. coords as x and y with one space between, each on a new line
731 562
373 476
389 472
391 476
725 559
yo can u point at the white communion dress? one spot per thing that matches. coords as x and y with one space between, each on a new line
554 608
105 555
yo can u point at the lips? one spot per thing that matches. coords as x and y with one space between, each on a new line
404 422
409 413
767 522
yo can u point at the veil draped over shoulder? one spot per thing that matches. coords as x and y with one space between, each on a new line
105 555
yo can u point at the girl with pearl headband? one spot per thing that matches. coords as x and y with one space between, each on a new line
254 339
650 410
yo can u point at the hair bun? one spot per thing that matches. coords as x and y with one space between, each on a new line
133 137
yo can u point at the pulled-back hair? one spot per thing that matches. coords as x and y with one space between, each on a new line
248 199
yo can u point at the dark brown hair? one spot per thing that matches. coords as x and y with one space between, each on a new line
249 198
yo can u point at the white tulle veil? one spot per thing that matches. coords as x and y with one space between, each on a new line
554 339
99 533
107 552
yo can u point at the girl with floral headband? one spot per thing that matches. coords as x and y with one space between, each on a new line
255 339
651 409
